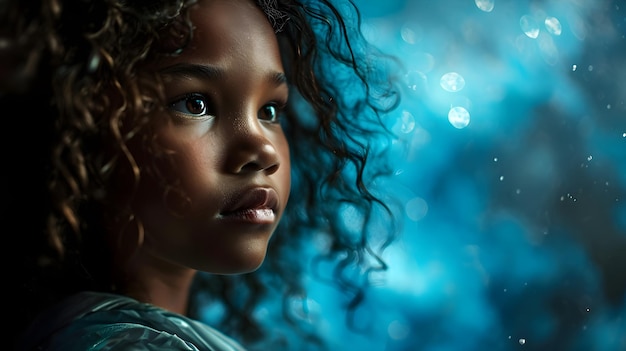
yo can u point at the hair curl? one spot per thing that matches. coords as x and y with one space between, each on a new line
82 63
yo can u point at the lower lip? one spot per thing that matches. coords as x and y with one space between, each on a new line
253 216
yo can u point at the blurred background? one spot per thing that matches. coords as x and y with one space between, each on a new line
511 165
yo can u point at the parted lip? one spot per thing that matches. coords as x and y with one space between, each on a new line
251 199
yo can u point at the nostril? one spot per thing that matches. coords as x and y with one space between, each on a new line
251 153
271 169
256 167
251 167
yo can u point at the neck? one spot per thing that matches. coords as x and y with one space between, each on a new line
158 282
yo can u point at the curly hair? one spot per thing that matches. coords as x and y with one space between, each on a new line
83 63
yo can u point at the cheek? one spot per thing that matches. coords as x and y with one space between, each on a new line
195 165
196 169
285 169
195 158
189 177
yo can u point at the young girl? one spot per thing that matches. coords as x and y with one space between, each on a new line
169 138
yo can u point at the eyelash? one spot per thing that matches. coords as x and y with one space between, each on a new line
202 102
181 106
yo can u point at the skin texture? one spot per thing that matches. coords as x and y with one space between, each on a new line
225 92
115 133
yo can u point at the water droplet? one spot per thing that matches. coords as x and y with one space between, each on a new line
501 178
624 135
459 117
452 82
529 26
522 341
485 5
553 25
495 159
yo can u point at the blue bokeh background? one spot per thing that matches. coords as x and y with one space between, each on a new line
511 165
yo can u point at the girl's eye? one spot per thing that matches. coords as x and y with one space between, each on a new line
270 112
193 105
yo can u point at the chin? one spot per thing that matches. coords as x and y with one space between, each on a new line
237 270
240 265
252 266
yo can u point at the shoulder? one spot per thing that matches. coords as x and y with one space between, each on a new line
103 322
81 336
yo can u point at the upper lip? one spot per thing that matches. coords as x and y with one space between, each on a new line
251 199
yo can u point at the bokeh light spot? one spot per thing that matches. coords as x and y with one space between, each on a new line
397 330
408 122
452 82
485 5
94 62
553 25
529 26
459 117
416 208
411 33
416 81
405 123
549 52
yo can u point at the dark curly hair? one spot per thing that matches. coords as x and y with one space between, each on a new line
76 71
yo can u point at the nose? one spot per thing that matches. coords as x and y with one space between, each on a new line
251 149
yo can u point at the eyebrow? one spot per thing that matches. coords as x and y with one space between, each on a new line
207 72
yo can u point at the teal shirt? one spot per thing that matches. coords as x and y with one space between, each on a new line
91 321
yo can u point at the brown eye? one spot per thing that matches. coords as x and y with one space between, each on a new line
193 105
269 112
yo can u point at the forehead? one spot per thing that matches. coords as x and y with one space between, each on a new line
232 36
227 24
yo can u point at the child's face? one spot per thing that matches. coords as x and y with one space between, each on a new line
225 92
